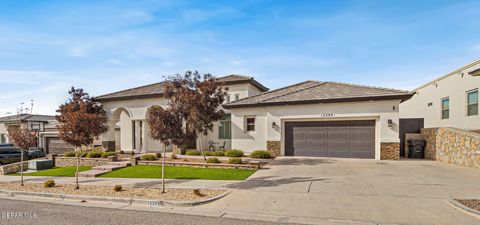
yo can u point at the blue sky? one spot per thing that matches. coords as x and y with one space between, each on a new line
104 46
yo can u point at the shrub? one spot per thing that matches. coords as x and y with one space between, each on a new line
234 153
193 152
197 192
122 152
260 154
235 160
218 153
158 155
83 154
49 183
174 156
94 154
213 160
208 153
117 188
69 154
107 154
148 157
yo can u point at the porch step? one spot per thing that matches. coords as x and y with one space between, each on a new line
99 170
92 173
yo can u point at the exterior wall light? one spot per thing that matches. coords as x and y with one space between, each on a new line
390 123
274 125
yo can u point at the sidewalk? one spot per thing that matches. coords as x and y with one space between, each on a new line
135 182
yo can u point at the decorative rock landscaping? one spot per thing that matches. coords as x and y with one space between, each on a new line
108 191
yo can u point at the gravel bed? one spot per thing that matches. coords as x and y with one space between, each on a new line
470 203
107 191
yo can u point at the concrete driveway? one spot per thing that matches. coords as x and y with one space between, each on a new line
355 191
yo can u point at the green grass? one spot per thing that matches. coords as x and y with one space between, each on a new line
171 172
68 171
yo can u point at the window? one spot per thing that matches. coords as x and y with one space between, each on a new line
472 103
445 108
228 99
3 139
250 123
237 97
225 127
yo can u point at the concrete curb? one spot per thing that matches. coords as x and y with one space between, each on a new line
463 208
129 201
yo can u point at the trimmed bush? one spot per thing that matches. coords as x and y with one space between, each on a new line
107 154
94 154
234 153
235 160
148 157
158 155
122 152
117 188
49 183
215 153
83 154
193 152
213 160
260 154
69 154
174 156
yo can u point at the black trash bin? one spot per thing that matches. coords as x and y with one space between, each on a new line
416 148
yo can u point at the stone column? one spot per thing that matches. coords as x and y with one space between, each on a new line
108 138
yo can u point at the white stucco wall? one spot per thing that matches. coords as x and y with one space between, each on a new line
380 111
455 86
137 108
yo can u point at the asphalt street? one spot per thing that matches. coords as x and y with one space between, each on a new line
22 212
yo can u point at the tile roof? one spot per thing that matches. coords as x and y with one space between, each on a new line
26 117
316 92
156 89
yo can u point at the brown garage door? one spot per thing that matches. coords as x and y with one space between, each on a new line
345 139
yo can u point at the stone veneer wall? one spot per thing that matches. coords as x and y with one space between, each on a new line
390 151
453 145
72 161
273 147
13 168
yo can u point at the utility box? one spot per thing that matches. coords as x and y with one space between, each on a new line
40 164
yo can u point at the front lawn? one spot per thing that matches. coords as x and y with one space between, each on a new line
171 172
68 171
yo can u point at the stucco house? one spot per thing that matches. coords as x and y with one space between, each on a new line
449 101
311 118
127 111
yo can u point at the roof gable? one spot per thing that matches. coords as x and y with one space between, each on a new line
157 89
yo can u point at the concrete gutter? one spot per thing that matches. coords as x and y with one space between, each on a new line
128 201
463 208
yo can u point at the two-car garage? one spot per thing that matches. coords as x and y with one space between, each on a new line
343 139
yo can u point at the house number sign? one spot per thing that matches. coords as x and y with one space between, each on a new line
327 114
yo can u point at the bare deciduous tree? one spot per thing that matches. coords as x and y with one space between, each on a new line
82 119
23 139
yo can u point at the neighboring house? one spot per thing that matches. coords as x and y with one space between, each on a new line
37 123
127 111
306 119
449 101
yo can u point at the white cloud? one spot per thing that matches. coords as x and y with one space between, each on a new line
79 51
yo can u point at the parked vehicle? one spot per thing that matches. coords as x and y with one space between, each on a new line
11 155
34 153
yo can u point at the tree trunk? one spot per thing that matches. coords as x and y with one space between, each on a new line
163 167
78 168
21 166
